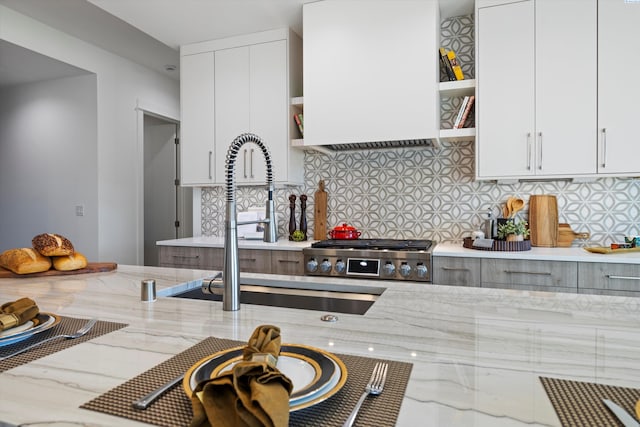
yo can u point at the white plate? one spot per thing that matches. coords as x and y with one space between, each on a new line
16 329
46 321
316 375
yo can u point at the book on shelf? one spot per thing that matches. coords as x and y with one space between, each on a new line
463 106
300 122
465 115
455 65
444 60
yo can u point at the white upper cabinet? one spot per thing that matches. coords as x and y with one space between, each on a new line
618 88
536 89
370 71
250 80
197 162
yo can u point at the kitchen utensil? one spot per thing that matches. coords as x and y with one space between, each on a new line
543 220
344 232
566 235
80 332
622 415
637 409
505 211
509 207
320 212
516 206
144 402
374 386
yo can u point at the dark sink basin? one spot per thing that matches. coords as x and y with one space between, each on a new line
306 299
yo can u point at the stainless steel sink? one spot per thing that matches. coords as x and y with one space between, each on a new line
305 296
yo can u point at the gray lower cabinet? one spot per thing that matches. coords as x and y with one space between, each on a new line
552 276
287 262
188 257
251 260
609 279
456 271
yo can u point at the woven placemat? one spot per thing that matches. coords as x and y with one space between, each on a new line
67 325
580 403
174 408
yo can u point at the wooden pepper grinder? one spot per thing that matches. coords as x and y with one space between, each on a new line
292 215
303 215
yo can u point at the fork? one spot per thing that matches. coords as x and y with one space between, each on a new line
80 332
374 386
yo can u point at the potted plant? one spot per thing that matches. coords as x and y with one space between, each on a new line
513 231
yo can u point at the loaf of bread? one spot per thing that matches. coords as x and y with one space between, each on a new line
76 261
52 245
24 261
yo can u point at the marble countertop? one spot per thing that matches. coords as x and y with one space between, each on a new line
283 244
476 353
455 249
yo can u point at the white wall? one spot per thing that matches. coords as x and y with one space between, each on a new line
48 162
121 86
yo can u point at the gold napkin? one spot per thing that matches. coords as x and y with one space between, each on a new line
15 313
254 393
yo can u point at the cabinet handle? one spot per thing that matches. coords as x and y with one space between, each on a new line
290 261
251 164
604 147
186 256
248 259
210 155
245 162
528 151
540 150
527 272
454 269
611 276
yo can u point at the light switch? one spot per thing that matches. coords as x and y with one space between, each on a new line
79 210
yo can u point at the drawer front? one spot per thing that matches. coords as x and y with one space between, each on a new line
188 257
530 275
255 260
287 262
456 271
610 279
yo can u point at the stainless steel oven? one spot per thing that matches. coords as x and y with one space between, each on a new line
387 259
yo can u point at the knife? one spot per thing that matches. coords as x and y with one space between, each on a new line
626 419
146 401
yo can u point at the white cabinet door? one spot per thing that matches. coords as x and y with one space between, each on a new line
232 109
370 71
566 87
251 96
618 88
197 159
505 86
537 87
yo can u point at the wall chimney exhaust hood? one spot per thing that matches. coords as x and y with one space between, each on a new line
371 76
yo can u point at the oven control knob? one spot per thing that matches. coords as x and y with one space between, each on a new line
421 271
340 266
325 266
388 269
312 265
405 269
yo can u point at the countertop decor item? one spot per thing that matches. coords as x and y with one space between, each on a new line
566 235
320 212
513 231
344 232
92 267
292 215
303 215
499 245
543 220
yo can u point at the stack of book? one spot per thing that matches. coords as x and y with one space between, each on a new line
299 119
451 65
463 112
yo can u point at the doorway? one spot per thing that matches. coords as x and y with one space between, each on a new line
167 206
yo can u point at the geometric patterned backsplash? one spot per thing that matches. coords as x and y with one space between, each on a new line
426 193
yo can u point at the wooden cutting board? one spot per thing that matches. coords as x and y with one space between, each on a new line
566 235
320 213
92 267
543 220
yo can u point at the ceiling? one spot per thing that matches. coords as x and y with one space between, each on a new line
150 32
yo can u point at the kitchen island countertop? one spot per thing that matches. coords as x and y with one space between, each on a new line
476 353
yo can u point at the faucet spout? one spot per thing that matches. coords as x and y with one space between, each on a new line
231 271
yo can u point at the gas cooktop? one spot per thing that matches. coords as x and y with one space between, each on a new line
375 244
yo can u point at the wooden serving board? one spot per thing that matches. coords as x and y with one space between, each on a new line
92 267
543 220
605 250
